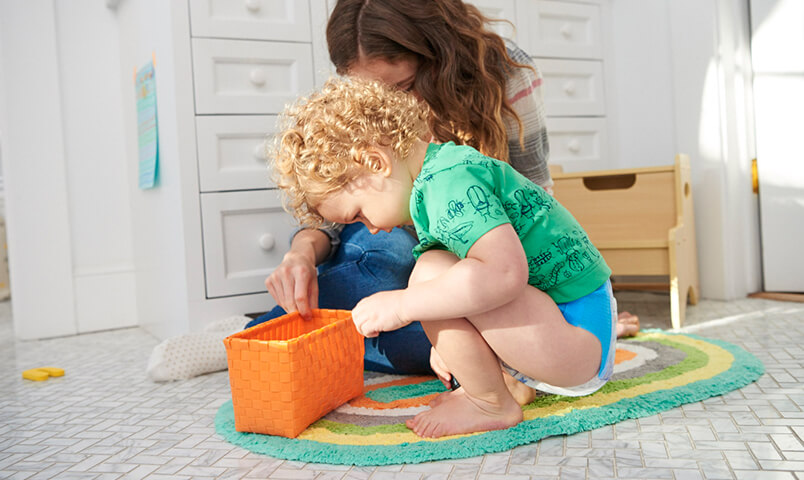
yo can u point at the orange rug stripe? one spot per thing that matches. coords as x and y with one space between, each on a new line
365 402
623 356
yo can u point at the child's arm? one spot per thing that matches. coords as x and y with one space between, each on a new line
494 272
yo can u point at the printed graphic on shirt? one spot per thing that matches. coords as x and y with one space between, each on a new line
461 195
574 252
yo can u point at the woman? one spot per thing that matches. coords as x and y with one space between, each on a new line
482 90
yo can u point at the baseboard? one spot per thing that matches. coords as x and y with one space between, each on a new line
781 296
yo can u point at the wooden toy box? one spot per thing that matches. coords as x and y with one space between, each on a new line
642 222
287 373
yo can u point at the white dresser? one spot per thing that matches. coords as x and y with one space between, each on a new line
249 59
565 39
214 228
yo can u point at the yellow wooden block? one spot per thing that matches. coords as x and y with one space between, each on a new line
42 373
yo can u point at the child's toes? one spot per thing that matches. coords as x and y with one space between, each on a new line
420 424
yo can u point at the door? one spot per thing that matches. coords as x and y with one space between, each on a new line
777 43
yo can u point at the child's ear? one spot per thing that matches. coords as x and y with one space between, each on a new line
378 161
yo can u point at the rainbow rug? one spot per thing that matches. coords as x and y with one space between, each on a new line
654 372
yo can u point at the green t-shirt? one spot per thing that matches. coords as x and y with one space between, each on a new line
461 194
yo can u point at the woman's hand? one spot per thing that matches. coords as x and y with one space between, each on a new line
440 368
294 284
379 313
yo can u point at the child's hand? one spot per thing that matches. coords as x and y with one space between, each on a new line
379 313
440 368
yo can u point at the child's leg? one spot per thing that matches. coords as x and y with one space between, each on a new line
489 405
486 403
522 393
529 333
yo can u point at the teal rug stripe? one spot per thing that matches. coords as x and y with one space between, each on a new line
745 370
389 394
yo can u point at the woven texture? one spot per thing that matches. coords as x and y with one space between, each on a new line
287 373
654 372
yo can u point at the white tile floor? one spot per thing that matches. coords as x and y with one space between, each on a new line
105 420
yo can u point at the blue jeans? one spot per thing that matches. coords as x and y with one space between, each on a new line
365 264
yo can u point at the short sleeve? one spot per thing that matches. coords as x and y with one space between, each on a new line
460 205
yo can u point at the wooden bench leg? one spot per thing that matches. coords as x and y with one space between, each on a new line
678 304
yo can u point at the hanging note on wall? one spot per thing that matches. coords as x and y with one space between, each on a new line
147 127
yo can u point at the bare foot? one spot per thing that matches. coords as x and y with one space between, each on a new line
627 325
445 396
522 393
466 414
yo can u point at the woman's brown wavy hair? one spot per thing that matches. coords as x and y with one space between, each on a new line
462 70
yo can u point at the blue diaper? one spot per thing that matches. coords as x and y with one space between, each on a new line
596 313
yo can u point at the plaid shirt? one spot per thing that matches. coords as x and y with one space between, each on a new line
524 91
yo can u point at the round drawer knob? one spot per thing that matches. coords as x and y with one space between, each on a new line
569 88
259 151
253 6
566 31
574 145
267 241
257 77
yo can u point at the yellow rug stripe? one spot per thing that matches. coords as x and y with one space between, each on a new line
720 360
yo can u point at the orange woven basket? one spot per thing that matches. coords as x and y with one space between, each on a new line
289 372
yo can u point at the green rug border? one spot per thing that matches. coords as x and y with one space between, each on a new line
746 369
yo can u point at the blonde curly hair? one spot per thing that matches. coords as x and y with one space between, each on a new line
324 139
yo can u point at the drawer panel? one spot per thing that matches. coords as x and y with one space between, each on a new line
573 87
239 76
231 151
287 20
560 29
245 237
578 143
498 10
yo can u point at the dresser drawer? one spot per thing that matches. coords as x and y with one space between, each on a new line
572 87
249 77
251 19
560 29
578 143
231 151
498 10
245 237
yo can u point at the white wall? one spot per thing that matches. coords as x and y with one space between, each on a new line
69 223
640 84
681 85
96 175
147 30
